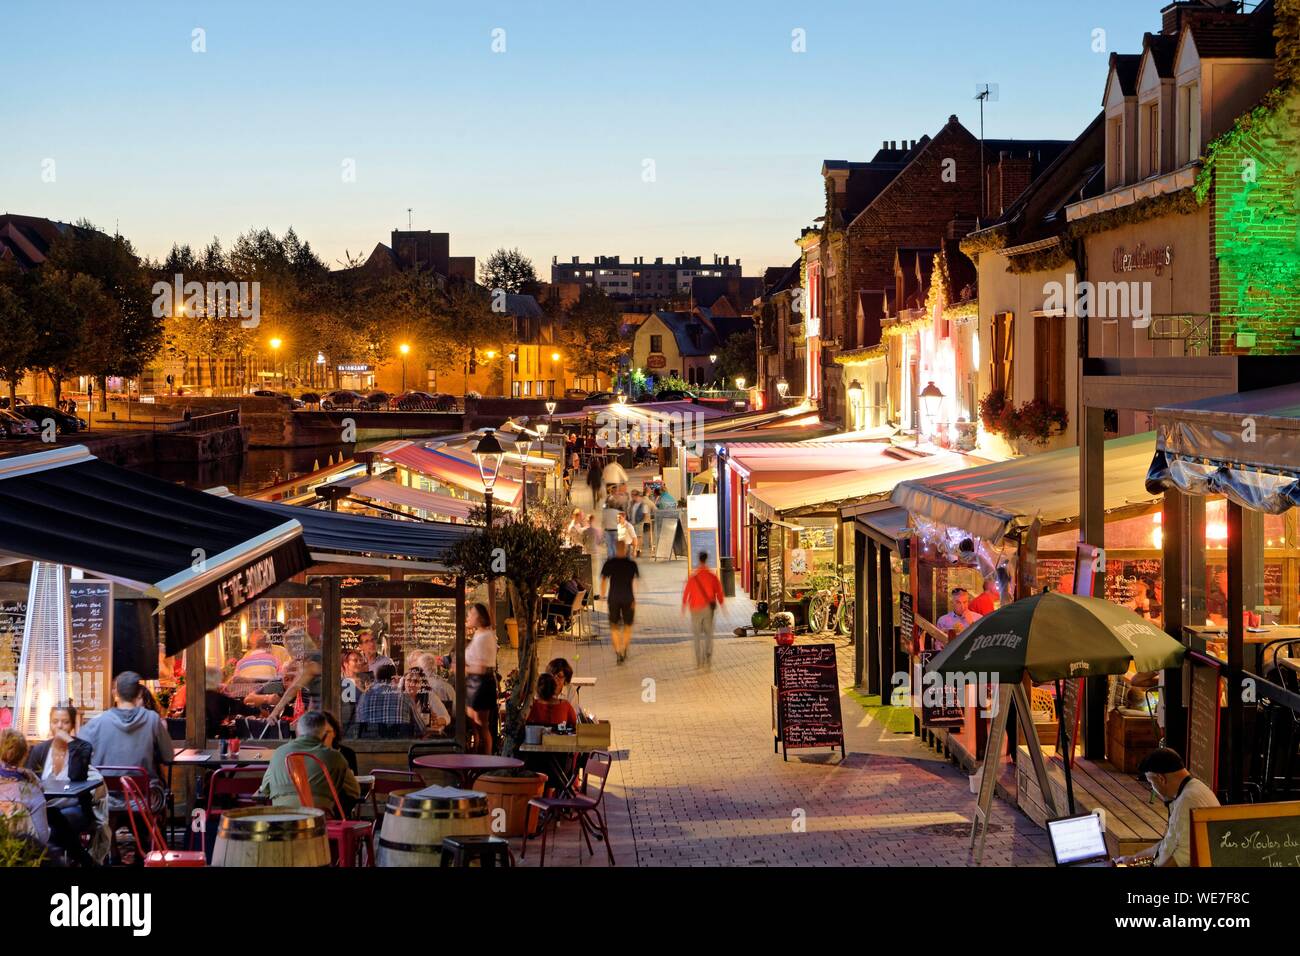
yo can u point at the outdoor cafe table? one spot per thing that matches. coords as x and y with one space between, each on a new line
467 767
558 746
247 757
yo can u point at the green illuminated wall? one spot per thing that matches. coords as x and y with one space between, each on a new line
1256 170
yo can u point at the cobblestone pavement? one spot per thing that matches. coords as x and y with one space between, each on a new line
696 782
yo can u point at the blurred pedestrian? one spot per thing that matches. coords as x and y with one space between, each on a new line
702 597
619 574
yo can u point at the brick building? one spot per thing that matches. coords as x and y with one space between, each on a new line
913 195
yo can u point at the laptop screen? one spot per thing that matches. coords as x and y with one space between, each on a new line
1077 838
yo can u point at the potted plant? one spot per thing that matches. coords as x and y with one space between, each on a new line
783 621
510 791
17 846
534 557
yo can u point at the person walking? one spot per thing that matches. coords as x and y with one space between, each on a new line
702 596
611 516
641 514
619 574
594 483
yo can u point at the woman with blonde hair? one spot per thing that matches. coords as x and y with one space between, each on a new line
22 801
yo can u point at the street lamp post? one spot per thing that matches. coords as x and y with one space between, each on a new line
543 429
275 344
527 441
930 397
489 454
855 398
404 349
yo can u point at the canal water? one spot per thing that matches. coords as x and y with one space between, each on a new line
257 468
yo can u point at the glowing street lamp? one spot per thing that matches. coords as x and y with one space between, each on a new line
405 350
740 382
782 387
275 344
855 399
930 397
555 356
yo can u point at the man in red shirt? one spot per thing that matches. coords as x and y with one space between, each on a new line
702 596
986 603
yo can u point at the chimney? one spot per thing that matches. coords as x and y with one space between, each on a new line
575 260
884 144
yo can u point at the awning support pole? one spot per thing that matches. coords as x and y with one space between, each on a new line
1236 634
1092 530
865 560
1173 523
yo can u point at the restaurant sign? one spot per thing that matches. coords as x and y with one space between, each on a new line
656 360
1142 258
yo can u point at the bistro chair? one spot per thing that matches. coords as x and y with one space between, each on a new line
347 837
588 810
114 778
158 855
1282 723
570 624
228 788
390 781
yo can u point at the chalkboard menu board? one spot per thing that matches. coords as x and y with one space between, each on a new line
776 569
13 615
1203 722
951 713
704 539
92 644
1071 692
431 626
762 535
1257 835
807 687
906 620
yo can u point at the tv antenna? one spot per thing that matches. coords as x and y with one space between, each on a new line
408 218
985 93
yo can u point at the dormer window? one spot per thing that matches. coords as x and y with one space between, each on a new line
1151 136
1189 122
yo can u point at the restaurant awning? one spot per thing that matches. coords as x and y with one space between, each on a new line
874 480
447 468
1244 446
993 501
885 526
390 492
200 558
334 535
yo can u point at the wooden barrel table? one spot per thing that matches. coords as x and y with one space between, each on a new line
415 821
272 836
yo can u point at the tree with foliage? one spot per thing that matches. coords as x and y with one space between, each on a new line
121 335
738 356
62 304
529 553
17 341
511 270
468 323
591 332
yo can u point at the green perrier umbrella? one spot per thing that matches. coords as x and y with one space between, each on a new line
1055 636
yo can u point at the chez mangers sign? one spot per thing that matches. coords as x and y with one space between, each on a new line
76 910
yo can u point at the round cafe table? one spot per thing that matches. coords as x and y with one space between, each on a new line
467 767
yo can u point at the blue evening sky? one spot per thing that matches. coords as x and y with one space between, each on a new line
543 146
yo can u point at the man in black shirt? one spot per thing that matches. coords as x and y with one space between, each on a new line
619 574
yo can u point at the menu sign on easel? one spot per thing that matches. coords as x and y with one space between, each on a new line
948 713
1265 835
906 619
1203 722
92 644
807 688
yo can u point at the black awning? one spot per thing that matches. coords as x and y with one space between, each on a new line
200 557
338 533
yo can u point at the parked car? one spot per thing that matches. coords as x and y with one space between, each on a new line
310 398
413 401
378 400
601 398
271 393
4 402
64 423
674 395
15 426
343 398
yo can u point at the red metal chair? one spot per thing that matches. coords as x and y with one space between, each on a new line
347 837
587 809
228 788
158 854
114 778
388 781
